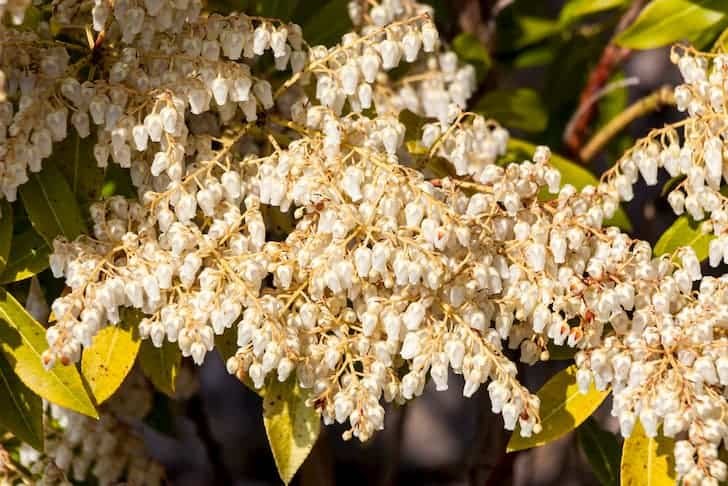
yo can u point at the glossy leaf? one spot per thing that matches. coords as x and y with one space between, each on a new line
571 173
111 356
28 256
51 205
291 426
520 108
574 10
161 365
684 232
328 24
22 340
471 51
647 461
563 408
22 410
6 233
603 451
663 22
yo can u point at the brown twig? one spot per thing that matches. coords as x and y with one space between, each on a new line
652 102
612 56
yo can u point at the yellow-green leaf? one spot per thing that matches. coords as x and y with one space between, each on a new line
6 233
291 426
51 205
28 256
576 9
684 232
161 365
111 356
22 410
520 108
663 22
647 461
563 408
22 341
470 50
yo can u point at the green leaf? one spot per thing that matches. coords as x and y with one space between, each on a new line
22 341
470 50
277 9
22 410
647 461
603 451
684 232
75 159
6 233
663 22
571 173
563 408
515 32
51 205
328 24
515 108
574 10
227 345
291 426
111 356
161 365
28 256
560 353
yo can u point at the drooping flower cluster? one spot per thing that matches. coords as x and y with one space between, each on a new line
382 277
107 451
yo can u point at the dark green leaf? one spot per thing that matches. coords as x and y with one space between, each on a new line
6 233
75 159
603 451
520 108
161 365
470 50
22 341
28 256
518 31
328 24
663 22
22 410
51 205
278 9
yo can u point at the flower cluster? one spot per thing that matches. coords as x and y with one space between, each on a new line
106 451
382 277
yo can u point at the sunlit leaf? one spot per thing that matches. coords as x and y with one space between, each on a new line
28 256
647 461
520 108
161 365
563 408
51 205
6 233
22 341
470 50
684 232
663 22
111 356
574 10
291 426
22 410
603 451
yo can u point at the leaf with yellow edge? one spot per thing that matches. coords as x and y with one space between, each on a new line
161 365
647 461
22 341
684 232
28 256
292 427
22 410
563 408
111 356
6 233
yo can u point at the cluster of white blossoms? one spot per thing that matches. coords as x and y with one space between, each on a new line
382 278
107 451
